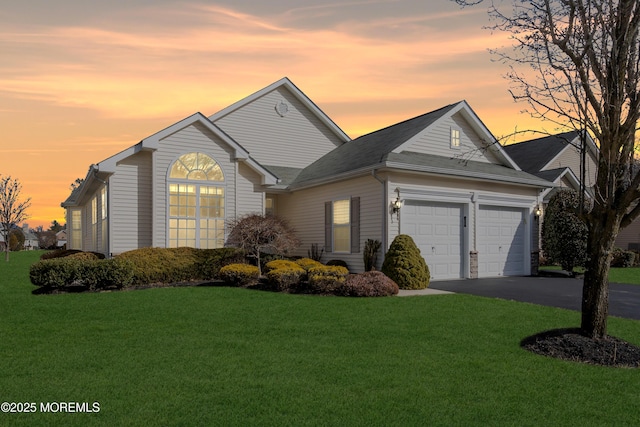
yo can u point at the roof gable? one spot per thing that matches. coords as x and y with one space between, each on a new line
287 84
538 154
391 147
476 141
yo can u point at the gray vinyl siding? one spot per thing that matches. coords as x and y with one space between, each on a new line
629 236
570 157
130 202
437 141
193 138
249 197
305 212
295 140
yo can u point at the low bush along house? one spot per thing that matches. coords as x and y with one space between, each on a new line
440 177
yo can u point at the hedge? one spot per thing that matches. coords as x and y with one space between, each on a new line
60 273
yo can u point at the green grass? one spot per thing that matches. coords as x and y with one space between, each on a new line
629 275
234 357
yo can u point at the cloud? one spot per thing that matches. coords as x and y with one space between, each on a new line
213 55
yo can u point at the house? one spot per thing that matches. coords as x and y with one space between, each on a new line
557 158
30 239
439 177
61 238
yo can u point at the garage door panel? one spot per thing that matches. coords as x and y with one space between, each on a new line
501 241
439 235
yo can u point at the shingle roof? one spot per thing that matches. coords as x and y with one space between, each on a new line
534 154
368 150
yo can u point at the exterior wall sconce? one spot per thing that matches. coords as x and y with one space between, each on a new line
396 205
538 211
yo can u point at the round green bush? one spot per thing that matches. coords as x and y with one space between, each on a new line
404 264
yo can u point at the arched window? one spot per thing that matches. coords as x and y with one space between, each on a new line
196 202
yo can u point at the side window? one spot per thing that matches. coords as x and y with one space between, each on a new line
455 138
342 225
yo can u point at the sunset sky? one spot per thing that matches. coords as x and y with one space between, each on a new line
82 80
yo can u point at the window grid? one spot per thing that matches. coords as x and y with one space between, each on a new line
455 138
196 210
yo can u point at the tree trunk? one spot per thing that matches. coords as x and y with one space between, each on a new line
603 230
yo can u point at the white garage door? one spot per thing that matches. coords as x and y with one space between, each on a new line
436 229
501 241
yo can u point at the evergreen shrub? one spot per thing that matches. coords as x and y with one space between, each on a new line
404 264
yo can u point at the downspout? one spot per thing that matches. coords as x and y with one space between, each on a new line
385 203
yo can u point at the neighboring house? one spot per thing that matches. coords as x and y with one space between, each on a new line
439 177
61 238
557 158
30 239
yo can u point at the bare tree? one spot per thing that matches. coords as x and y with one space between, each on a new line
258 234
12 210
576 63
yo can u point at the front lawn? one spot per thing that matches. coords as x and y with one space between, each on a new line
228 356
630 275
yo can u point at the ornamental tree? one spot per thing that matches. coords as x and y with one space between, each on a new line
12 210
576 65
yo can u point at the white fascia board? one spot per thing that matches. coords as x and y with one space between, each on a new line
295 91
153 142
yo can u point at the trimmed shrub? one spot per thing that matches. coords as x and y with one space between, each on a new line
63 253
285 278
404 264
337 262
59 273
308 263
59 253
326 279
368 284
83 256
281 263
622 258
212 260
55 273
164 265
239 274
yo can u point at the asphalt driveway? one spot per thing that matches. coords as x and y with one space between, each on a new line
563 292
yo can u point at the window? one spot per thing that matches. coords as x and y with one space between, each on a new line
103 219
455 138
342 225
269 205
341 228
196 204
76 229
94 223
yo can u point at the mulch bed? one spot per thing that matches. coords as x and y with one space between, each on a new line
571 345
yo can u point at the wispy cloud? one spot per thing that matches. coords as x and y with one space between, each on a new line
152 71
